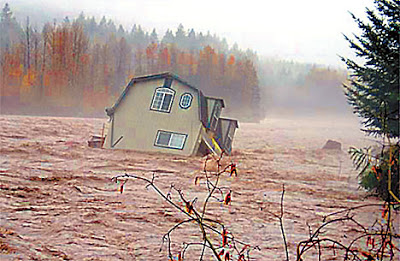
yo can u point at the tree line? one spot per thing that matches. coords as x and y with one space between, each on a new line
77 67
302 89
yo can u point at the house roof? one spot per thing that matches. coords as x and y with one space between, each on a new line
110 111
166 75
217 99
161 76
231 120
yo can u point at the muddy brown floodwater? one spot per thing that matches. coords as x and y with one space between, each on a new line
57 200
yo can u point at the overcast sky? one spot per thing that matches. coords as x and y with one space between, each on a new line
298 30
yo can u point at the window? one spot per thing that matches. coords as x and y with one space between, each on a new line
229 137
162 99
170 140
215 116
186 100
228 144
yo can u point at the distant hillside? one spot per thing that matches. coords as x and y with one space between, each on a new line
38 15
56 63
302 89
79 65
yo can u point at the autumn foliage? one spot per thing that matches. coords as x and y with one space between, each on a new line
79 67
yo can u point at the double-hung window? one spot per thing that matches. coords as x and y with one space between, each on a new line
229 138
215 116
170 140
162 99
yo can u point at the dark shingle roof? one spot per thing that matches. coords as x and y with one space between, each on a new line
167 75
110 111
215 98
232 120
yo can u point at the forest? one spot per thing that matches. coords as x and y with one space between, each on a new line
77 67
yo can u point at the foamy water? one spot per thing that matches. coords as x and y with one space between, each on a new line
58 201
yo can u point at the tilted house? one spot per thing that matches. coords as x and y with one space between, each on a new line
162 112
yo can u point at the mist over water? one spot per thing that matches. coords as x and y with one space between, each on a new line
252 84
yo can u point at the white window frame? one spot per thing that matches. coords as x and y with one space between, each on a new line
157 103
215 116
173 136
228 142
229 136
183 96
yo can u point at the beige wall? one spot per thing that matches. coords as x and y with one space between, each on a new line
138 125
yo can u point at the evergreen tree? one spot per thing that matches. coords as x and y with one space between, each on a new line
103 22
168 37
10 31
66 20
374 87
192 41
121 31
153 36
374 95
134 29
111 28
6 13
81 56
91 27
81 18
180 37
139 39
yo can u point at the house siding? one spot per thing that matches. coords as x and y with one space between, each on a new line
138 125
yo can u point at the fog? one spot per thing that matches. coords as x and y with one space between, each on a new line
304 31
293 50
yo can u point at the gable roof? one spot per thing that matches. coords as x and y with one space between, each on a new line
164 75
217 99
203 100
235 122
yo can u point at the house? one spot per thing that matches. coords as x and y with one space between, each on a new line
164 113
